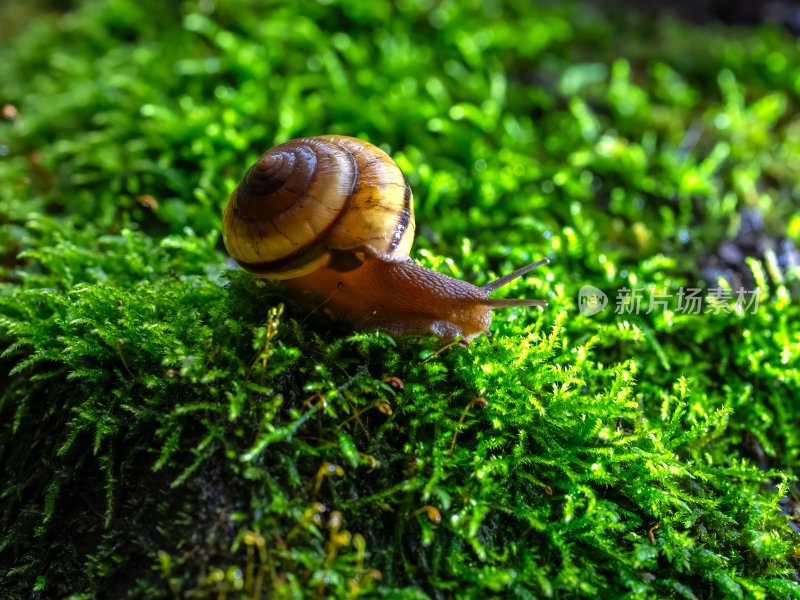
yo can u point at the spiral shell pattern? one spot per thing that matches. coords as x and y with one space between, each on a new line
306 199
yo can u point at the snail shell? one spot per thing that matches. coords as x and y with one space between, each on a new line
333 216
307 201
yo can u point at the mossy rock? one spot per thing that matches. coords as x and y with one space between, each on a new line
171 426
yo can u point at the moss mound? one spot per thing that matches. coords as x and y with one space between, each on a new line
171 426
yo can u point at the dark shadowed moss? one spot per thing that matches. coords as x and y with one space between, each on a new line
173 427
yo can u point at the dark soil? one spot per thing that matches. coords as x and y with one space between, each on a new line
729 259
732 12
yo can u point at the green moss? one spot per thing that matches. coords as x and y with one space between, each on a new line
172 426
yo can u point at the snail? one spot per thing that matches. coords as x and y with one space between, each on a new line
332 216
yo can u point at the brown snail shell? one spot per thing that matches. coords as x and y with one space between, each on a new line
309 198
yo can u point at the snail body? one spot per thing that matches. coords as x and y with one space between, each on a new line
333 217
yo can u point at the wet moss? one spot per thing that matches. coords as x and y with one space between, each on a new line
171 426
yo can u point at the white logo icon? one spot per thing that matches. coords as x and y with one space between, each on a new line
591 300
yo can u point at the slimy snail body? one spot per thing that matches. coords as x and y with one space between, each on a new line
333 217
